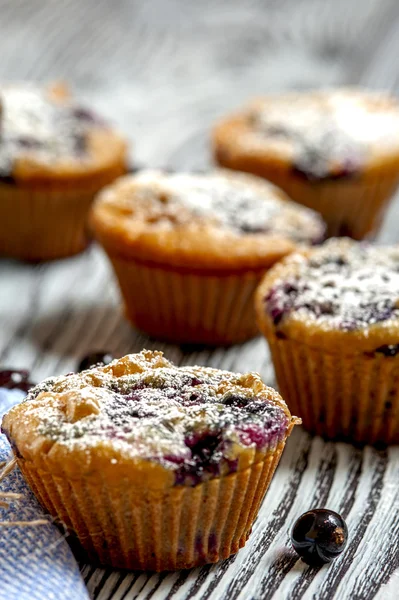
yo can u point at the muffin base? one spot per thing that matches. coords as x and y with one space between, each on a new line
354 207
353 397
188 307
48 222
177 528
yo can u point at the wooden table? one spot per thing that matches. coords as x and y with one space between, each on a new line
165 70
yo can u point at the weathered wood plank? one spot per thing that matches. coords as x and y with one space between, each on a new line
164 70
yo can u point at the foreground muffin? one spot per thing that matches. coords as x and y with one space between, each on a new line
189 249
153 466
54 156
331 317
335 151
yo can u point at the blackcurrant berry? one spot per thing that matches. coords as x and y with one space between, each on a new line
94 359
15 379
319 536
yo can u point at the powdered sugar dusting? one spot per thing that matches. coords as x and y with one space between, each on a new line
345 285
239 202
31 123
192 420
331 132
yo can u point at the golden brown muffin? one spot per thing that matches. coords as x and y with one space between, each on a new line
54 157
153 466
335 151
331 318
189 249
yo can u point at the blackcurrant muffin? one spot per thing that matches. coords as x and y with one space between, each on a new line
153 466
189 249
335 151
55 156
331 318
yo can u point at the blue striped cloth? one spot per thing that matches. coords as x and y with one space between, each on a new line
36 562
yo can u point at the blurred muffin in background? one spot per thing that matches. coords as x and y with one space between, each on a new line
55 156
189 249
335 151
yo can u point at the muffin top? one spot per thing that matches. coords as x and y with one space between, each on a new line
318 135
217 220
343 288
45 134
143 415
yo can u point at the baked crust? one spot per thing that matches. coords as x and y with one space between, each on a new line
323 333
370 122
79 399
105 148
138 217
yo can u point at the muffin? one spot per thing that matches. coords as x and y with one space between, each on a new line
55 156
154 467
335 151
188 250
331 318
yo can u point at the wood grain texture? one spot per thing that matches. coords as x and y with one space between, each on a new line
164 71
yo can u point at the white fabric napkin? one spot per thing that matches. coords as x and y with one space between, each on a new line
36 562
